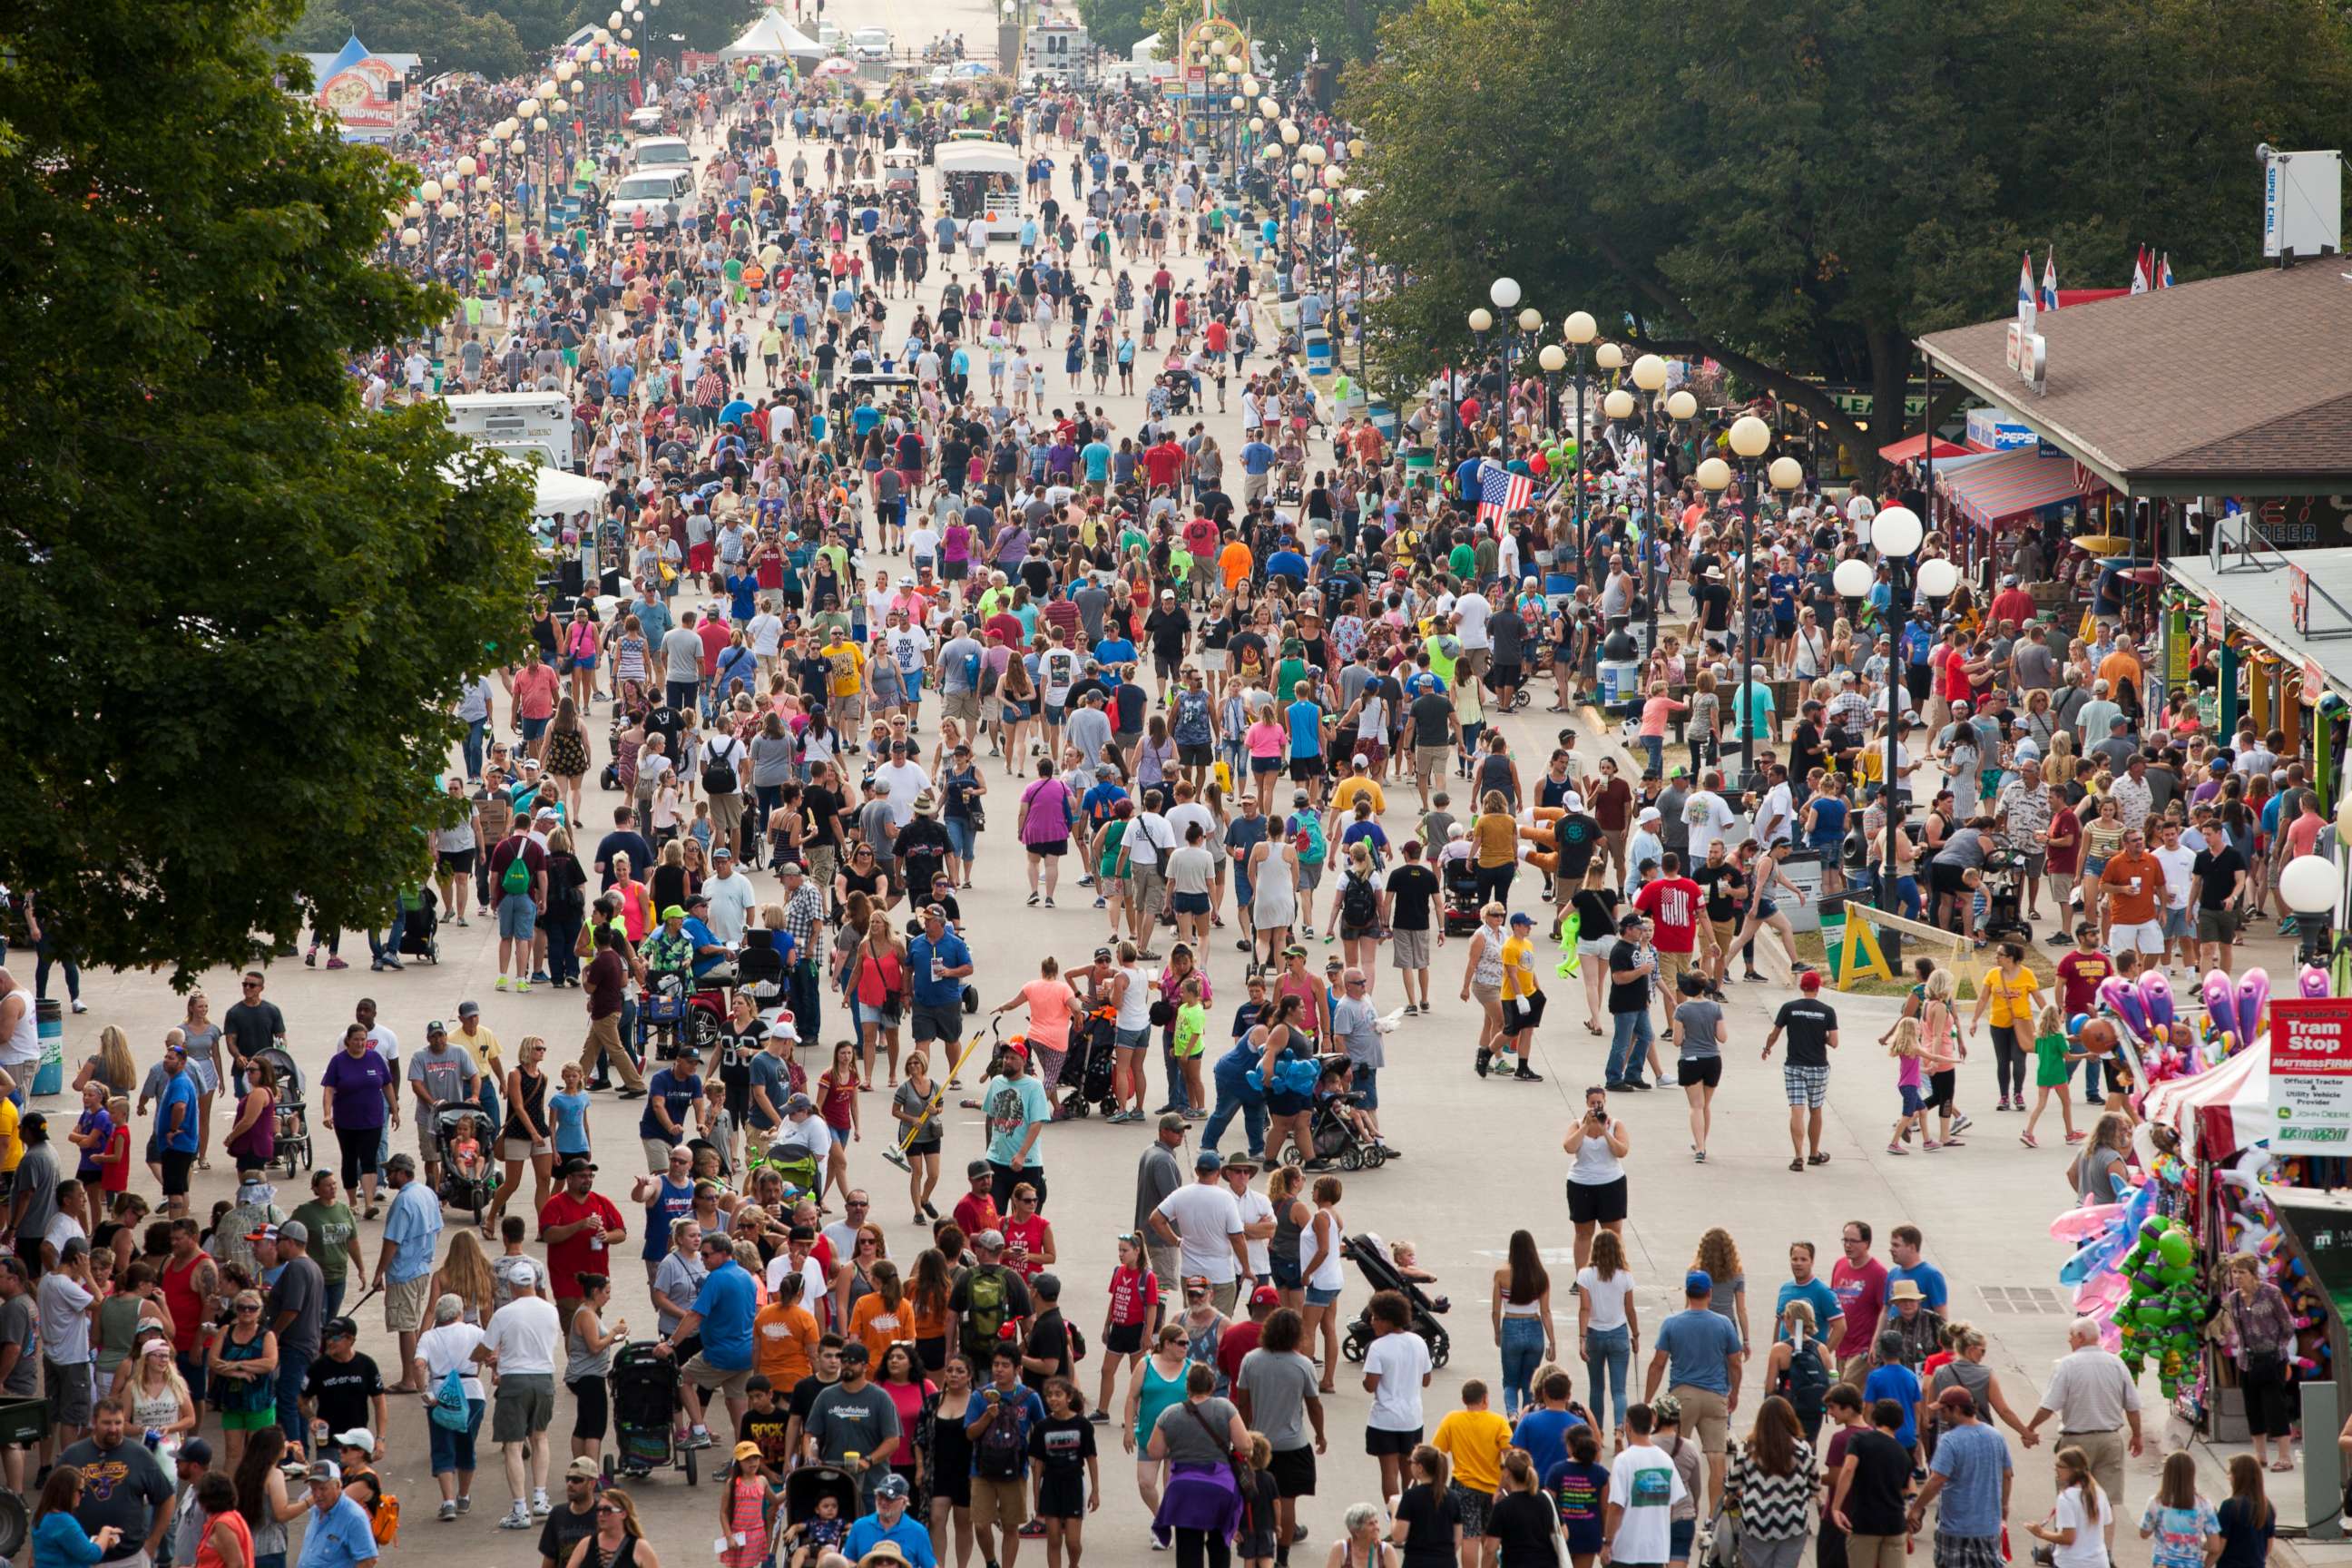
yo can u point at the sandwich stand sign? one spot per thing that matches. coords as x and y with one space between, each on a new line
2311 1075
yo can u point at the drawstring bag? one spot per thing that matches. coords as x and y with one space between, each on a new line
451 1410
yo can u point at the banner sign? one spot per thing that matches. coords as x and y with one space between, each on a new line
2311 1074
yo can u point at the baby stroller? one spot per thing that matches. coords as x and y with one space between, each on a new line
644 1404
804 1488
420 925
1460 878
1337 1141
1372 1260
1087 1069
293 1150
470 1191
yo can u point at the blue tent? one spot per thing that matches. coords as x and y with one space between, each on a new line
350 54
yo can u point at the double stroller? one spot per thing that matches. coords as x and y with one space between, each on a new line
1372 1260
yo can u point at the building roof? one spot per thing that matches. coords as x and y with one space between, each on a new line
2231 386
2262 601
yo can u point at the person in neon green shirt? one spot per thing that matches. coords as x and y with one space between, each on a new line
1445 652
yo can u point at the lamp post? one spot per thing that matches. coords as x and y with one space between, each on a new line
1896 533
1749 438
1650 377
2313 886
1502 293
1553 359
1481 322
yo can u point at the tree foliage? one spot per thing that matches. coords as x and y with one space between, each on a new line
1117 26
448 35
242 605
1799 187
1290 31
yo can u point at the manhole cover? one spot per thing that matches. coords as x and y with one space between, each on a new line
2022 1298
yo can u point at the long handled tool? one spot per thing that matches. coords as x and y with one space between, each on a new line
898 1156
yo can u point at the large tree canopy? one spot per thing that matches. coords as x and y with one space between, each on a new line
1290 31
241 607
1799 187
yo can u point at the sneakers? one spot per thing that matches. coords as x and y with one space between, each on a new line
700 1437
516 1517
539 1507
1527 1076
335 962
448 1509
523 987
465 1502
1485 1056
501 984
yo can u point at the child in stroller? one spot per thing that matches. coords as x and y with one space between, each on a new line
468 1180
1372 1259
820 1504
1343 1136
1458 874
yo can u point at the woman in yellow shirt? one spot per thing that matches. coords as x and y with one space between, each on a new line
2011 993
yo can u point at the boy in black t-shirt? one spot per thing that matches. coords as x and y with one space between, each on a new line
1811 1027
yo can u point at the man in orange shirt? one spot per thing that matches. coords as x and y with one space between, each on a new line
2121 665
1234 561
2133 884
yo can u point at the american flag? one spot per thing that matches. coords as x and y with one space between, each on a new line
1502 492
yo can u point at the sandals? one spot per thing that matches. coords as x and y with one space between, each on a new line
1816 1158
1797 1166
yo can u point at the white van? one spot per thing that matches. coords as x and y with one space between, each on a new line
535 427
659 195
661 152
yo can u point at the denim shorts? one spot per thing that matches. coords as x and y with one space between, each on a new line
1368 1087
1133 1039
518 917
1319 1297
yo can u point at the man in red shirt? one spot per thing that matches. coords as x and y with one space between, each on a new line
1672 903
976 1210
2012 603
580 1227
2079 973
1163 462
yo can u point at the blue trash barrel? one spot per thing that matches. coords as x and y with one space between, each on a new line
49 1021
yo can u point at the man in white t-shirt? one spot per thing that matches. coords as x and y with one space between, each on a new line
1396 1369
1471 612
1257 1215
1644 1488
2180 863
1206 1224
519 1347
1706 816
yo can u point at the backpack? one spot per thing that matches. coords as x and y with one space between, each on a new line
516 879
718 777
385 1524
985 1293
1077 1345
1312 849
1359 906
1001 1454
1806 1381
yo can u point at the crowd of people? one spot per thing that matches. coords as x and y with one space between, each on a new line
874 575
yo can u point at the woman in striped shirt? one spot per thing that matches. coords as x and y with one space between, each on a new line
1773 1480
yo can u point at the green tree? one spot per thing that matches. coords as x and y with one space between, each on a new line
243 605
1799 189
1289 30
446 35
1117 26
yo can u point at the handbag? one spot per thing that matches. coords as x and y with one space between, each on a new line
1240 1471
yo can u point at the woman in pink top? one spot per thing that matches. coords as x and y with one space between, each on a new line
1656 713
1052 1003
1267 740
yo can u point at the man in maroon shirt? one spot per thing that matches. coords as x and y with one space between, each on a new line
1672 903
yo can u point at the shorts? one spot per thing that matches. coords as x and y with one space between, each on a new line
1305 768
1597 1202
176 1166
1265 765
936 1022
1050 848
2177 923
1706 1071
66 1387
1004 1504
592 1407
1124 1338
1322 1295
1913 1101
1703 1413
1472 1505
1062 1495
2139 936
239 1420
1293 1470
1808 1086
457 862
524 1404
2216 925
1409 949
405 1304
1193 756
518 917
728 1381
1430 761
1521 1013
522 1148
1378 1440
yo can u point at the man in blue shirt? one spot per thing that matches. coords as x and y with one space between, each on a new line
670 1093
1286 562
888 1522
1890 1379
339 1533
1969 1478
1257 461
176 1116
940 964
412 1242
1804 1284
722 1313
1704 1351
1903 1244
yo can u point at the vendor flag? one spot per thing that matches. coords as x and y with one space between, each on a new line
2025 288
2164 271
2140 278
1502 492
2049 279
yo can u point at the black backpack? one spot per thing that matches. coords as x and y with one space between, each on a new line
1359 906
1805 1383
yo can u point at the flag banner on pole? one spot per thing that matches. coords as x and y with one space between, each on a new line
2164 271
2050 280
2025 289
1502 492
2139 272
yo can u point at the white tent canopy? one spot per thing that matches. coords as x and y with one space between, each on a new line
561 493
772 34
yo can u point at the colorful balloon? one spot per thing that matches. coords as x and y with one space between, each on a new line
2253 1001
2221 1002
2118 995
2156 996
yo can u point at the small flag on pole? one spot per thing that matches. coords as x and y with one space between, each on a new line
2050 280
2140 278
2164 271
1502 492
2025 288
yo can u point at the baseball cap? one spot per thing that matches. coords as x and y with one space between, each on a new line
357 1437
295 1231
1172 1123
1811 980
1699 1282
673 912
586 1468
892 1485
1958 1399
267 1232
325 1471
977 1169
1521 918
1266 1295
469 1009
1208 1160
747 1451
195 1451
577 1163
990 1241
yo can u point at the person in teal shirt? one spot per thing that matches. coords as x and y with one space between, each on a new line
1095 455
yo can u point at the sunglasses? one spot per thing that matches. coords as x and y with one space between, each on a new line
608 1508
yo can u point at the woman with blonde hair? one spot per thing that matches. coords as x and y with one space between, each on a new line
465 1273
110 1064
636 899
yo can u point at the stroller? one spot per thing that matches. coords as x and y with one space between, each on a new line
1336 1140
1087 1069
1460 878
293 1115
644 1404
1372 1260
472 1192
804 1488
420 926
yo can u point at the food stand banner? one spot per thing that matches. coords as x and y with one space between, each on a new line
2311 1075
